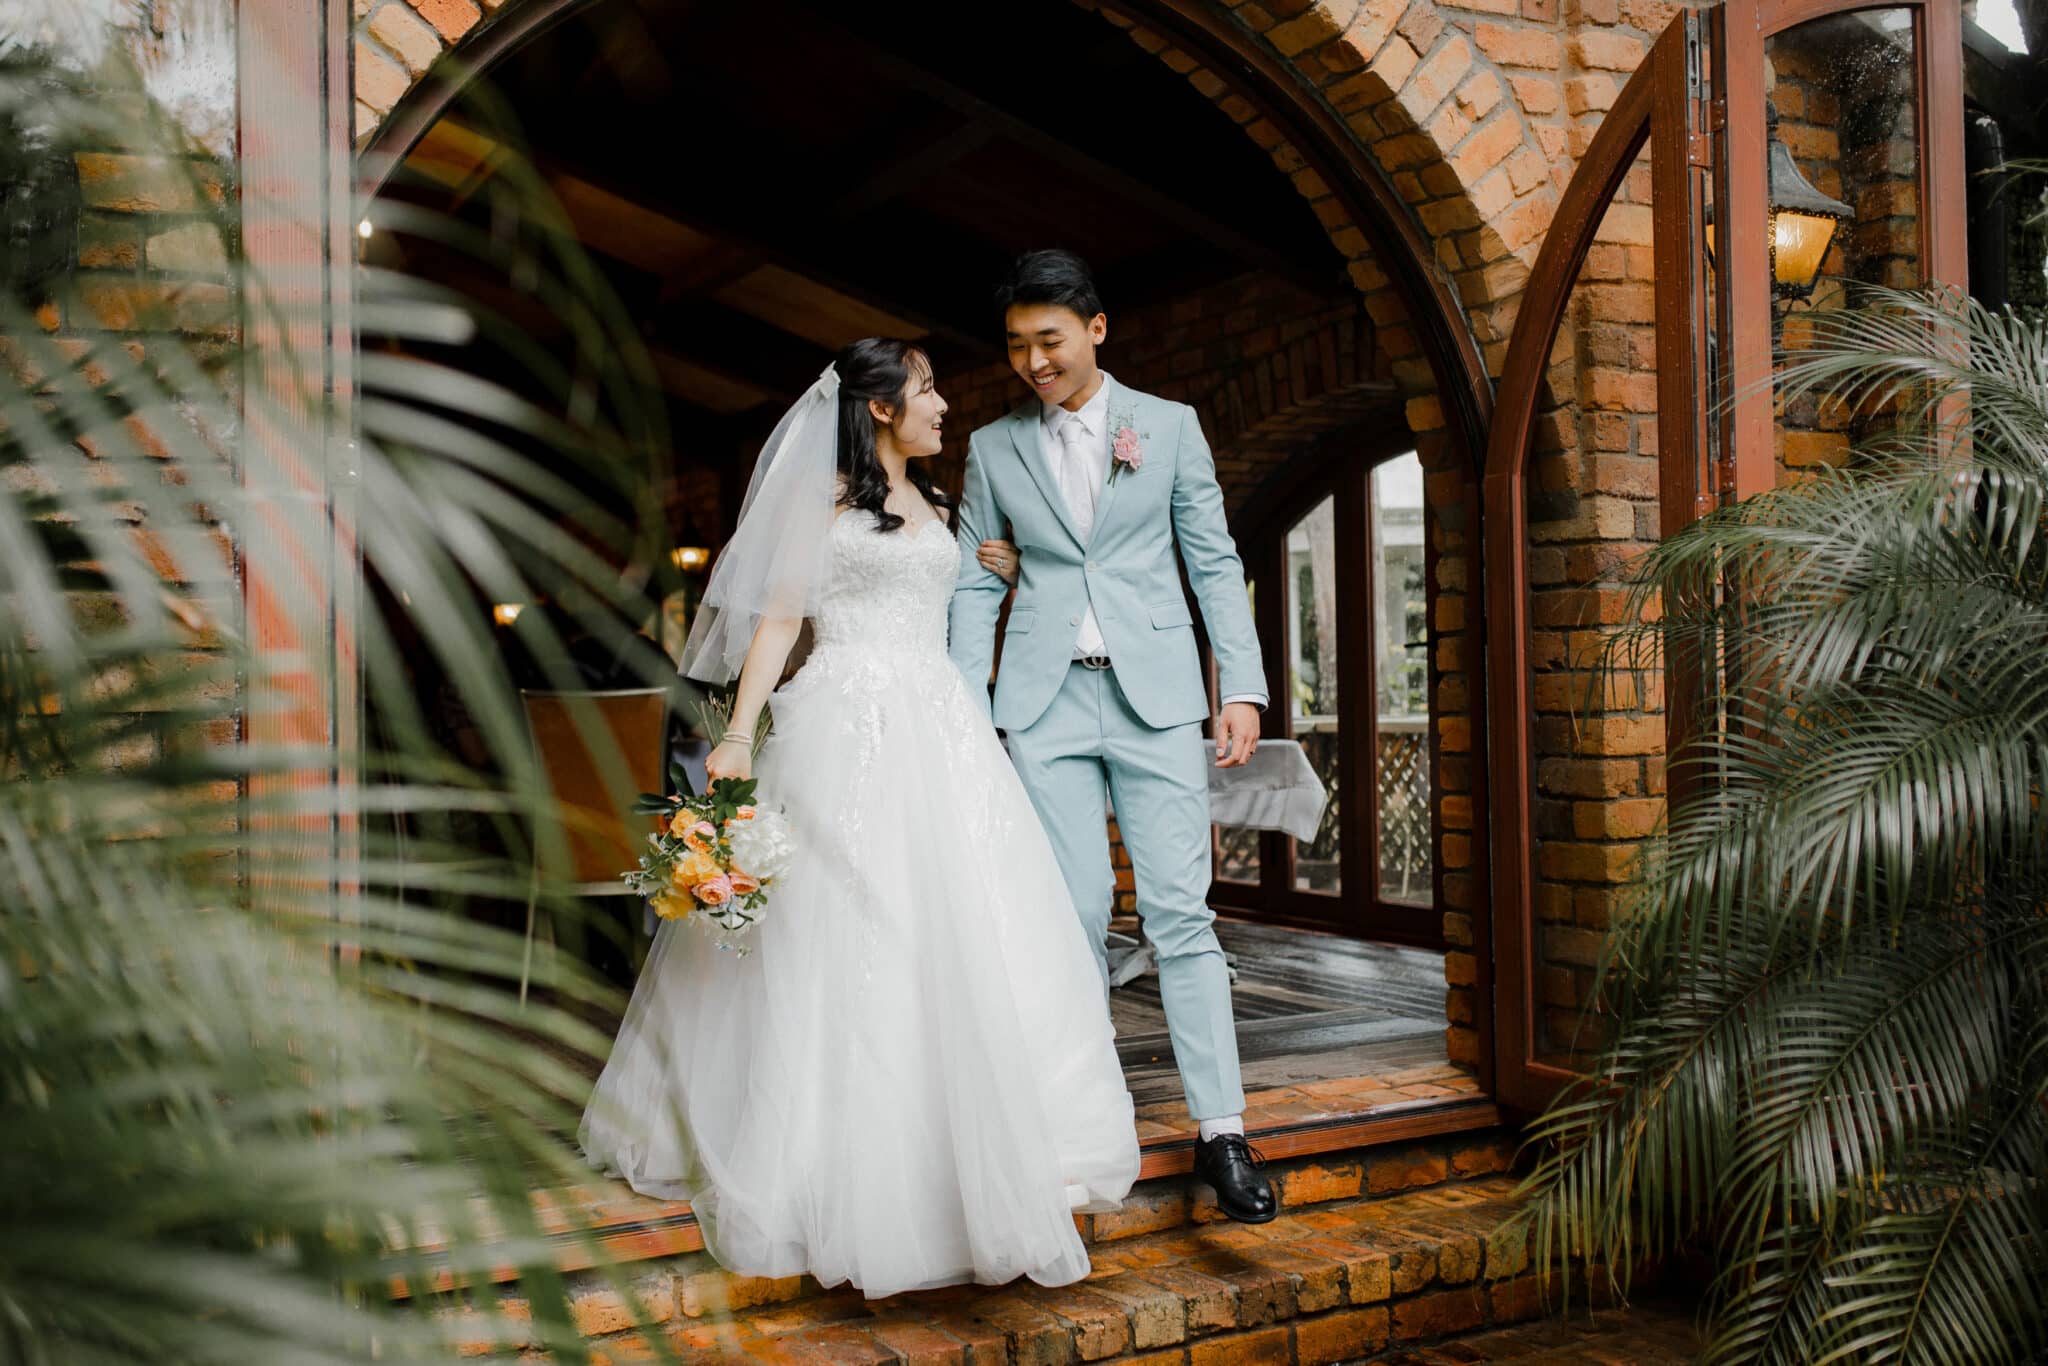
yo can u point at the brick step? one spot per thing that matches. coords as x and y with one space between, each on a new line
1164 1205
1336 1280
1304 1183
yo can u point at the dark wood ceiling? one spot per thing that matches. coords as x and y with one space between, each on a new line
763 182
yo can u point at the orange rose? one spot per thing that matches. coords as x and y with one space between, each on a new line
716 892
695 834
745 813
744 884
692 869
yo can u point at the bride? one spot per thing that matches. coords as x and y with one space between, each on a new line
911 1079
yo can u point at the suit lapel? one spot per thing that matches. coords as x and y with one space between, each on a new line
1121 412
1024 434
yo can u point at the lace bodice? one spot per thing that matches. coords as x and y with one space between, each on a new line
887 590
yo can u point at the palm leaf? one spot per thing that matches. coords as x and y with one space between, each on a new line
1829 987
256 1067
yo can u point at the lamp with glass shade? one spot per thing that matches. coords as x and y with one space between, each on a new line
1803 220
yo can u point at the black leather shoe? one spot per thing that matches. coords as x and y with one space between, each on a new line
1229 1164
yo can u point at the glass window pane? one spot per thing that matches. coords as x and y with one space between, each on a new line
1311 566
1401 673
1843 89
1237 853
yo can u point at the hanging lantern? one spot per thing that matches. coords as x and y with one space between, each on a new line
1803 220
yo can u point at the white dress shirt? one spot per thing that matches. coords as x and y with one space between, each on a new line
1076 448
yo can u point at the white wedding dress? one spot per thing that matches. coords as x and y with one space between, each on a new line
911 1079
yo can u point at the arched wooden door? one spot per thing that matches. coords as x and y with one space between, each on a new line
1698 104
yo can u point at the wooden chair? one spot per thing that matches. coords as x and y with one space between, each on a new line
601 836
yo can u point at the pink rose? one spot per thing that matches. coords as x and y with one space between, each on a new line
1128 452
716 892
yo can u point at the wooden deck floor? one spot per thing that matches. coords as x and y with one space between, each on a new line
1328 1028
1310 1007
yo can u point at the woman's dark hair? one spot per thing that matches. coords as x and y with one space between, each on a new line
885 369
1049 277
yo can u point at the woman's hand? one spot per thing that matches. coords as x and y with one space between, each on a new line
731 759
999 558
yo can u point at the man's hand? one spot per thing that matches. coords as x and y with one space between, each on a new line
1237 734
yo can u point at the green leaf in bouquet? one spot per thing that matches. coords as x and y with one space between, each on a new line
680 777
736 792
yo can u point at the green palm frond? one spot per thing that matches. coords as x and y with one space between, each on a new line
256 1065
1829 989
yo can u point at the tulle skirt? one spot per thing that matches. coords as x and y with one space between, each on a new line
910 1080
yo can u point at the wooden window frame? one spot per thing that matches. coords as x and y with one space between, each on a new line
1339 467
1742 32
1695 129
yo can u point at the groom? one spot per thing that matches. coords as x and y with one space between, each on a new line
1101 689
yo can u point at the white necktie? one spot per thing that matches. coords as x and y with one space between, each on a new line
1078 477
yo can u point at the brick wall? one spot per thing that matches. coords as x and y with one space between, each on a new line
1479 112
1598 739
148 285
1593 495
1592 505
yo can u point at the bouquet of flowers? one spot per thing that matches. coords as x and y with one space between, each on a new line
715 857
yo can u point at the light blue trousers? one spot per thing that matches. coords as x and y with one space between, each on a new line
1089 745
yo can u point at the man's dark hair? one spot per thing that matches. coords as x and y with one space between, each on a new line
1049 277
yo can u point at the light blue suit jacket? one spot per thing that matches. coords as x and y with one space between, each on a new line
1126 569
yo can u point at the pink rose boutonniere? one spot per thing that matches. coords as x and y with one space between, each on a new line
1127 452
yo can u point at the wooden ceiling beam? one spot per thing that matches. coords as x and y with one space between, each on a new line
626 230
698 358
716 336
1070 157
788 237
914 168
712 387
695 254
722 265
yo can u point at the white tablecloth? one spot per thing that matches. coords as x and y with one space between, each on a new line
1275 790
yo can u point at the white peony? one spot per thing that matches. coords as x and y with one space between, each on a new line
761 846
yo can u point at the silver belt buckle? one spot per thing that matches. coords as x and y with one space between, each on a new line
1096 662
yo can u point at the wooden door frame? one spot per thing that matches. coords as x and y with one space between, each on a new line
1653 108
